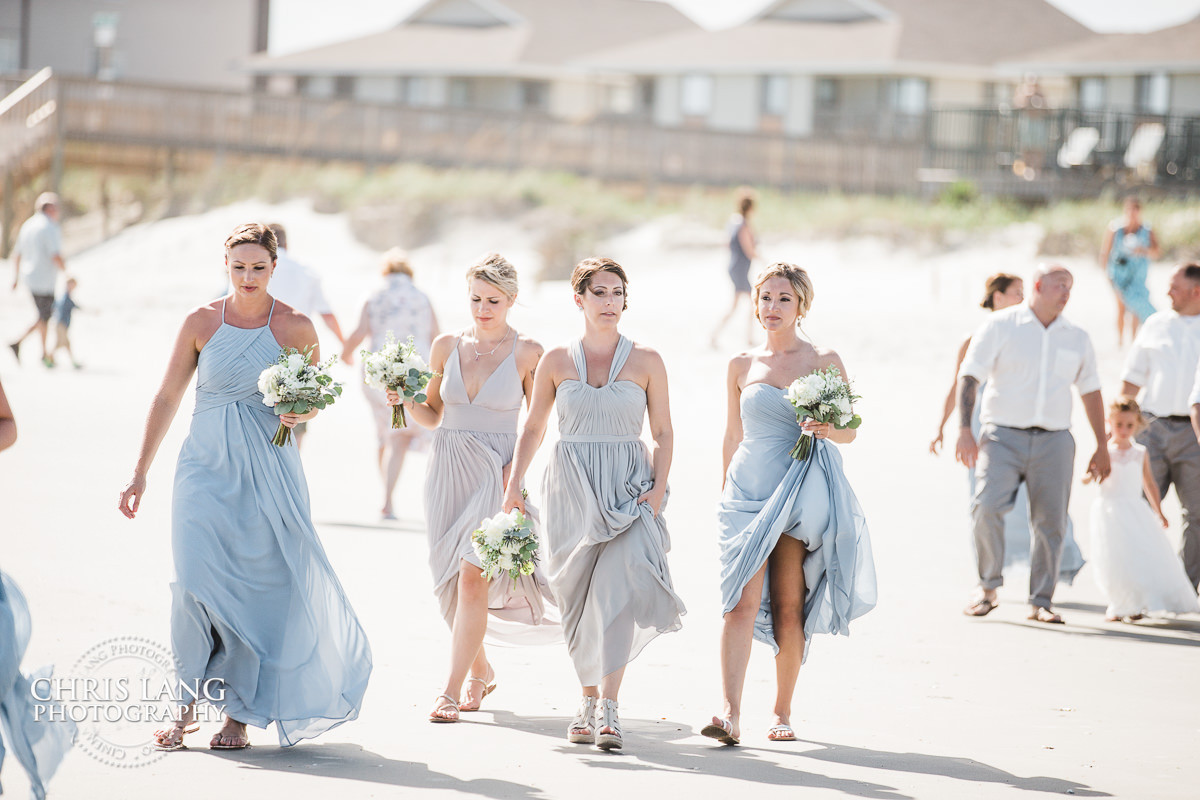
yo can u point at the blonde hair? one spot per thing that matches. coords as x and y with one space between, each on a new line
1124 405
254 233
495 269
581 276
796 276
396 260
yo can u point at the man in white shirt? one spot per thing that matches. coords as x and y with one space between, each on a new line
1030 356
300 287
38 259
1162 362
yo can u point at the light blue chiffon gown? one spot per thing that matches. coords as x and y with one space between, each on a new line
256 604
607 560
769 494
38 744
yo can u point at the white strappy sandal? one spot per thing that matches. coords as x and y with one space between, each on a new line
609 719
582 729
445 703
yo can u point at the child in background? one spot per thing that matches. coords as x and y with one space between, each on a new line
1136 568
62 313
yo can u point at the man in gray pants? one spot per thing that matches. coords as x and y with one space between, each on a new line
1163 363
1030 356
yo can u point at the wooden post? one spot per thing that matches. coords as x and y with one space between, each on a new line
6 216
60 130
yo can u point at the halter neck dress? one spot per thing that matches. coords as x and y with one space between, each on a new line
256 604
607 560
464 485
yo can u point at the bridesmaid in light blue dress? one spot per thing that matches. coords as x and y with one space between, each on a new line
256 607
39 745
795 552
603 495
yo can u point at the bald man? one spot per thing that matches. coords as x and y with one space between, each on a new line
1030 356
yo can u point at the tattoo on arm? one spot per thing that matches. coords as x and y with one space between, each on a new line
967 386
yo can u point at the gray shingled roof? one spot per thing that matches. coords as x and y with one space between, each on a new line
1176 48
918 35
550 34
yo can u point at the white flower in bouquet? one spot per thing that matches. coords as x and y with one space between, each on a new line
506 543
397 367
823 396
294 385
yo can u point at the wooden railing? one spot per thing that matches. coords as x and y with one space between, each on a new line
28 132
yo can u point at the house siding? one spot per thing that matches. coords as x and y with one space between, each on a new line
735 103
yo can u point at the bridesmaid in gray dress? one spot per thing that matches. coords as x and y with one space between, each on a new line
483 375
795 553
604 495
256 607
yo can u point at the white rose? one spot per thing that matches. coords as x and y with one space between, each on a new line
845 419
296 362
842 404
510 547
505 562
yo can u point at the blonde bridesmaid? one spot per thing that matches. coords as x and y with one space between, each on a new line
483 375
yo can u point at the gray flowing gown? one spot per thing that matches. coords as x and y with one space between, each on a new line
769 494
464 485
256 604
608 553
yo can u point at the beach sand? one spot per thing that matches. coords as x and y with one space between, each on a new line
920 702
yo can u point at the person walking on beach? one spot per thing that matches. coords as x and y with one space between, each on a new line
743 249
1162 366
1128 246
38 259
299 286
1136 568
255 605
8 422
795 551
1002 291
605 539
1030 356
481 378
64 308
397 307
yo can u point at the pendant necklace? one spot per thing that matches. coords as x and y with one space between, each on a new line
494 349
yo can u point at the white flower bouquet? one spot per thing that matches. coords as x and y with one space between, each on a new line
505 543
400 368
824 396
295 385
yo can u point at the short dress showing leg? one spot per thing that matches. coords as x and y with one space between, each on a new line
256 605
464 485
37 743
1136 568
607 560
769 494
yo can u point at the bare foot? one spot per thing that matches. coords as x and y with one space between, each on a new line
232 736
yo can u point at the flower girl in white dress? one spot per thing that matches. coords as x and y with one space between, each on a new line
1136 568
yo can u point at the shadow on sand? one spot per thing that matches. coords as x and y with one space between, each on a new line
351 762
658 745
1142 631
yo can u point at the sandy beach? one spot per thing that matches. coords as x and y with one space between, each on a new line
919 702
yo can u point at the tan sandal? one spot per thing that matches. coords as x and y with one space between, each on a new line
164 740
489 686
447 703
